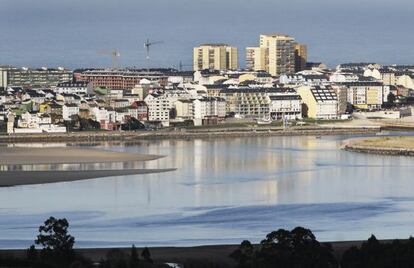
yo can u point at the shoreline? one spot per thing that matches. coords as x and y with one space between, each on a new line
188 134
393 146
218 254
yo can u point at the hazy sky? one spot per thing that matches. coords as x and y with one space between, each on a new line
72 32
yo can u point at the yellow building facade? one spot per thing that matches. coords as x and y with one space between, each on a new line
275 55
301 57
215 57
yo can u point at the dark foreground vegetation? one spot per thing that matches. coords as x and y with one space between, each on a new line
298 248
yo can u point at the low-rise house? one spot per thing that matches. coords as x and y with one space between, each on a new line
100 114
79 88
120 103
405 79
70 98
131 97
10 105
304 78
339 77
34 96
121 115
142 110
37 123
116 93
3 113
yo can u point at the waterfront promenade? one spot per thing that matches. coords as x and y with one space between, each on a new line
183 133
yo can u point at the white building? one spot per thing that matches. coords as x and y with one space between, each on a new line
79 88
339 77
158 108
367 94
100 114
68 110
209 107
184 109
285 105
37 123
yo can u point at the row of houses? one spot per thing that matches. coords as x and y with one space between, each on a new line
209 97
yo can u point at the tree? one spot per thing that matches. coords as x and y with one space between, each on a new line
31 253
305 110
283 248
115 258
132 124
244 255
391 99
173 113
56 242
133 258
146 255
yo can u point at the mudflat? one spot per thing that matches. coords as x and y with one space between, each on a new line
16 178
66 155
400 142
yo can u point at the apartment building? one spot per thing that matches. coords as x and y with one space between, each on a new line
342 95
215 57
285 104
255 58
301 57
159 107
320 102
279 54
33 78
367 94
209 107
245 101
262 102
184 109
119 79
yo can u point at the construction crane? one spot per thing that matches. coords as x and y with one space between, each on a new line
115 54
181 65
147 46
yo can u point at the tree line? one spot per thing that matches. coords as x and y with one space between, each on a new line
296 248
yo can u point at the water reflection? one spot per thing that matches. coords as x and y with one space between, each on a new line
224 190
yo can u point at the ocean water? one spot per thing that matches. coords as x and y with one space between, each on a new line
224 191
73 33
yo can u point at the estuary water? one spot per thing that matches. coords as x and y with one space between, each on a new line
224 191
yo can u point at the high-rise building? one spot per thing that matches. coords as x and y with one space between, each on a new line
301 57
280 53
255 58
215 57
275 55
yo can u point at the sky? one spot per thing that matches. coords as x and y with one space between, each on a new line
72 33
